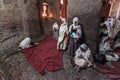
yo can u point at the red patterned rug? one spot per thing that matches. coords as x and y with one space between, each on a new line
44 55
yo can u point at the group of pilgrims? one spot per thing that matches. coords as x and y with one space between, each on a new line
71 38
109 38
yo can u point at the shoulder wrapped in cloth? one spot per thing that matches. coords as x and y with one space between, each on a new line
55 30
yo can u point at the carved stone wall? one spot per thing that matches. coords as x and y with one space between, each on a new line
88 12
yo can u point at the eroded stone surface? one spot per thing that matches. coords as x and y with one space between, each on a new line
17 20
14 66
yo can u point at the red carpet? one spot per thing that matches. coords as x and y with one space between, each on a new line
113 73
44 55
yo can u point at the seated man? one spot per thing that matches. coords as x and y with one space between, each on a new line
83 57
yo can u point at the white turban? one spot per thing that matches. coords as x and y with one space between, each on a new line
75 19
64 20
83 46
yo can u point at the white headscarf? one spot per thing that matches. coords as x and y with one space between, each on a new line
75 19
84 46
55 26
63 20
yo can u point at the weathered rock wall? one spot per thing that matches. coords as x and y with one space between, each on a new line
88 12
18 19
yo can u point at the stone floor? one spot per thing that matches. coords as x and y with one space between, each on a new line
13 66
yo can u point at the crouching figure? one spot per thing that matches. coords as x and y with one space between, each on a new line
25 43
83 57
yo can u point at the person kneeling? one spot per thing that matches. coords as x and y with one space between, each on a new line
83 57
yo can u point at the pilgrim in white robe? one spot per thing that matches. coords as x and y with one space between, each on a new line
75 33
62 39
55 30
83 58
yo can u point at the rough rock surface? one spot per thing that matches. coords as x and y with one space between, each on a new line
18 19
88 12
13 66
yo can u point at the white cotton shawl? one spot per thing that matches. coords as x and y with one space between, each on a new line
63 29
55 26
25 43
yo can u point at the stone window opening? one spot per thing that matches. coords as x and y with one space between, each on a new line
45 9
63 9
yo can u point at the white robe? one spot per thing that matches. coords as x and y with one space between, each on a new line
85 55
55 30
112 58
62 40
55 26
25 43
115 29
105 47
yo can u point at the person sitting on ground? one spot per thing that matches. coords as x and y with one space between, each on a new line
83 57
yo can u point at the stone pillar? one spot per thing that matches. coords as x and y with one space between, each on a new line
115 9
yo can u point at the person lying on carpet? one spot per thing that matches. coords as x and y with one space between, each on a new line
83 57
55 30
63 33
26 43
